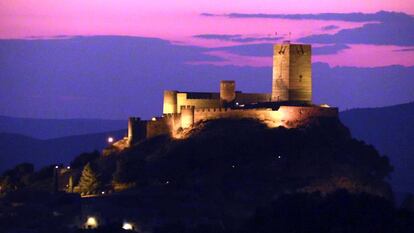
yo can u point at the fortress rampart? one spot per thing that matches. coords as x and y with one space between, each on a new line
286 116
288 105
228 96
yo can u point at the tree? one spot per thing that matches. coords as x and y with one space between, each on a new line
89 181
17 177
6 185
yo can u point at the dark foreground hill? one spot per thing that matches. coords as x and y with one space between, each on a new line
391 131
225 169
235 153
225 174
57 128
15 148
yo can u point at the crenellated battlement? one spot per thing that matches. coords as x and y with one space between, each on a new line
187 107
170 115
212 109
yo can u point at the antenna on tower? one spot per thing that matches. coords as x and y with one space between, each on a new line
273 36
288 38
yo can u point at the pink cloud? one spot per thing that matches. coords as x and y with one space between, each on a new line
164 19
369 56
179 20
356 55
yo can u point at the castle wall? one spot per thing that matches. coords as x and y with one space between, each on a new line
158 127
187 116
136 130
293 116
264 115
248 98
165 125
173 100
287 116
182 100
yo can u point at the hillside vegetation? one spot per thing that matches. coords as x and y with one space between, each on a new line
223 172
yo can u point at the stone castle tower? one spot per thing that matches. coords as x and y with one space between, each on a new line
292 73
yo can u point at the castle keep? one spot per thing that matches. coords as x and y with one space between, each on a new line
289 105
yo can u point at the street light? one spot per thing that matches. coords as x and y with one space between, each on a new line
110 139
91 222
127 226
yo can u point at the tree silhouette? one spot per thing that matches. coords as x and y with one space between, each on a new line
6 185
89 181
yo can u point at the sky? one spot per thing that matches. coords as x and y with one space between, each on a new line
112 59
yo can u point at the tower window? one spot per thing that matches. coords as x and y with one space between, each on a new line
300 78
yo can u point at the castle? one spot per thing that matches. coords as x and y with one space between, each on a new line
289 105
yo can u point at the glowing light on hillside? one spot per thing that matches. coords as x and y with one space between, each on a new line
56 166
110 139
68 167
154 119
127 226
91 222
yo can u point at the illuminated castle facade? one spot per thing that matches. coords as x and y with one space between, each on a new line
289 105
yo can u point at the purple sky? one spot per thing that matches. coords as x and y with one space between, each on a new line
53 65
178 21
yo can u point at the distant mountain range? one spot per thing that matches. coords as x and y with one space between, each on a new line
391 131
46 141
54 128
15 148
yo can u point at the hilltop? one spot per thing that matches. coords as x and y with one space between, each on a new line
227 168
223 171
243 148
